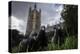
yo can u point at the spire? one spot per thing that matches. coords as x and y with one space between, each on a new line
30 8
35 6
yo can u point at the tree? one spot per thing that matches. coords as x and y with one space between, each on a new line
70 16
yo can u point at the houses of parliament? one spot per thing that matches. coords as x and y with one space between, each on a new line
34 20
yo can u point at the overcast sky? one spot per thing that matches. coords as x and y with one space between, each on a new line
50 14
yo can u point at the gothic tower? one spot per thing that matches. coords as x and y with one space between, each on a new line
34 20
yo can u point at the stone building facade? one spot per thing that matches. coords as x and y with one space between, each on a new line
34 20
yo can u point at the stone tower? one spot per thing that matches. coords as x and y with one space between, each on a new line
34 20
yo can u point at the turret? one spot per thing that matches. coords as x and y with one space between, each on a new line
29 10
35 6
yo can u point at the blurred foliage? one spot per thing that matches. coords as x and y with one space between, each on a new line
70 43
70 16
15 49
